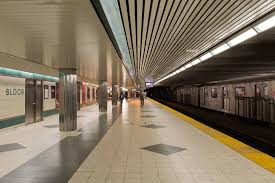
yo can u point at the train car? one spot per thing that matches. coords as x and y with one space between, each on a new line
252 100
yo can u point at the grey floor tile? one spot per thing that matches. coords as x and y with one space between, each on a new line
52 126
147 116
164 149
153 126
11 147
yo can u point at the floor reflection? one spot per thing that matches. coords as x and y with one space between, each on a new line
59 162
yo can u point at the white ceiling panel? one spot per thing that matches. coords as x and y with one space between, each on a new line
57 33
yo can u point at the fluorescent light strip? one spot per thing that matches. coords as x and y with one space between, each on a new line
267 24
205 56
188 66
182 68
195 62
220 49
242 37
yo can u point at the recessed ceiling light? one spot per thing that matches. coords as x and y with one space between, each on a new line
206 56
242 37
182 68
195 62
267 24
220 49
188 65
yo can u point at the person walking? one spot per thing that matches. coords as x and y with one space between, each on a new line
142 96
121 97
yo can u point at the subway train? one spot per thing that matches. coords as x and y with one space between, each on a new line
252 100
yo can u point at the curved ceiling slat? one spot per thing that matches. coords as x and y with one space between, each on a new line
165 34
223 31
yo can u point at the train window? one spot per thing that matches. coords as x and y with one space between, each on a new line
205 91
214 93
240 91
266 91
258 91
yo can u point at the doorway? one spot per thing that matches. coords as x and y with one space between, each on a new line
225 98
34 101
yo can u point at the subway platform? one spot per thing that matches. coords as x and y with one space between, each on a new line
129 143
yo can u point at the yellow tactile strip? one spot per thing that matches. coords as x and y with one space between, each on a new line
260 158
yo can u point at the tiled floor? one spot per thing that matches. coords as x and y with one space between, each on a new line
145 144
120 156
22 146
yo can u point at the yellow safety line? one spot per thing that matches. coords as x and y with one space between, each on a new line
260 158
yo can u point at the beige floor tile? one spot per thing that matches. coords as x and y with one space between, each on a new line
80 177
119 158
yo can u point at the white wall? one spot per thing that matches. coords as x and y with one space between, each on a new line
12 97
50 103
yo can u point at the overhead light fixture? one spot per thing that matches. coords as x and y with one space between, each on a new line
182 68
206 56
220 49
242 37
267 24
195 62
188 65
252 31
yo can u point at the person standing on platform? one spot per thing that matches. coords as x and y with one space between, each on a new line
121 97
126 95
142 96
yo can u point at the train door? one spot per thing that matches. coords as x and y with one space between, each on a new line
181 95
204 96
258 92
262 103
258 103
34 101
225 98
187 96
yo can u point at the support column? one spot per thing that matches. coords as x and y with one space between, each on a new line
68 100
114 82
114 94
102 96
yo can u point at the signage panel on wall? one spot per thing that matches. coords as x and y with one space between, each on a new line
12 97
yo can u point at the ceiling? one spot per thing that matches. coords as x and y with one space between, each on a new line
254 58
59 34
162 35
